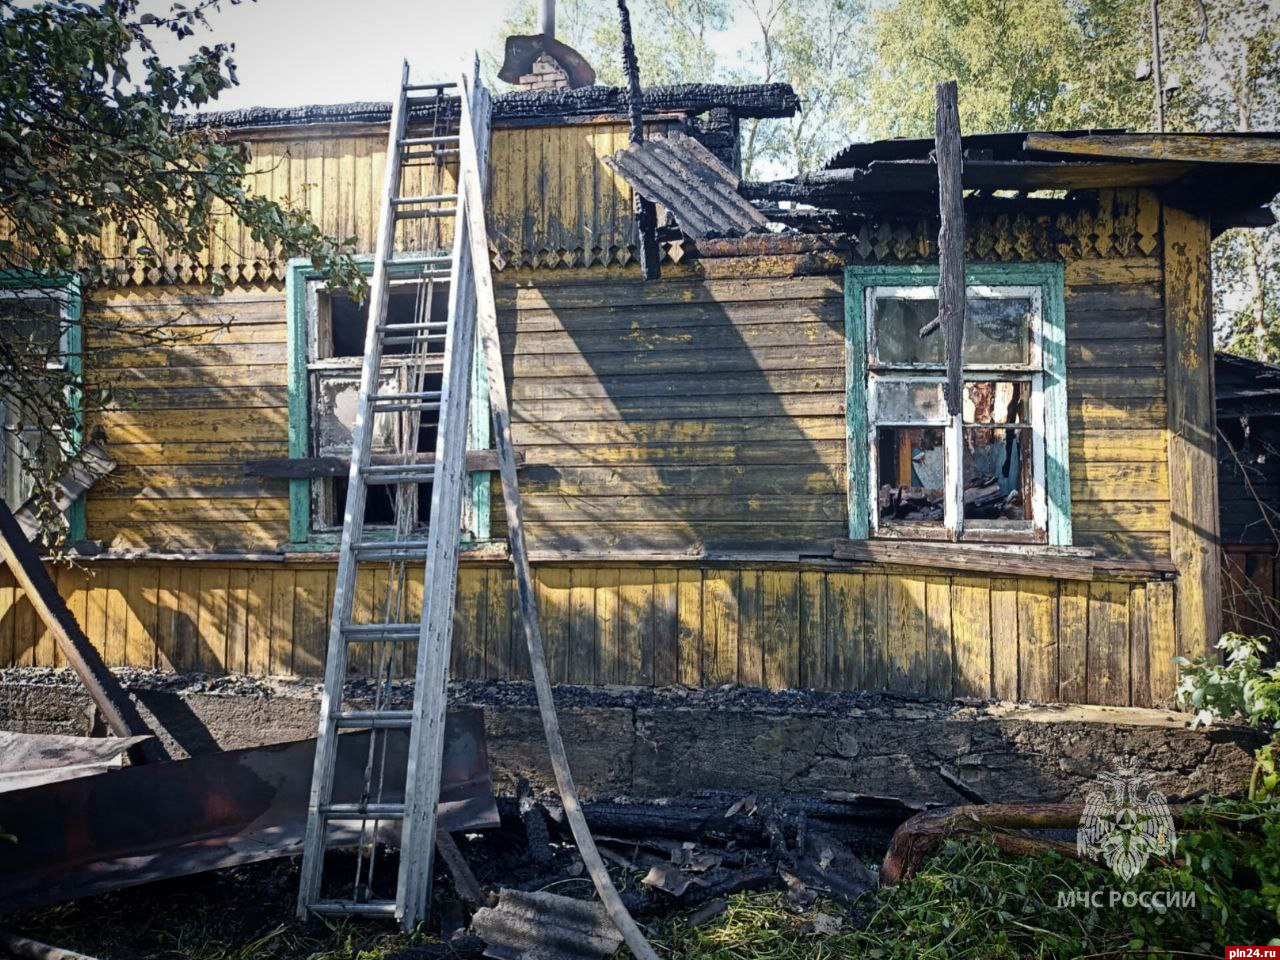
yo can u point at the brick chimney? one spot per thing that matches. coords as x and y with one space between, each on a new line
547 75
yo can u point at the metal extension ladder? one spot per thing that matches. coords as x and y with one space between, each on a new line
430 369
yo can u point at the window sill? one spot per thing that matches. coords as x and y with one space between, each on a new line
1032 559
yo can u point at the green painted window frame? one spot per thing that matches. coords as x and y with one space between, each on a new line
299 273
18 280
1050 279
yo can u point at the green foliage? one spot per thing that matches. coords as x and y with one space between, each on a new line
93 140
1020 65
971 902
1239 687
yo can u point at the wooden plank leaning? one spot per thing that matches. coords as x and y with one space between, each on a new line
487 329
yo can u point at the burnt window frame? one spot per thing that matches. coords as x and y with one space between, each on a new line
303 286
1046 368
65 289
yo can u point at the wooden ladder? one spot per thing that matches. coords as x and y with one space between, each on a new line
434 376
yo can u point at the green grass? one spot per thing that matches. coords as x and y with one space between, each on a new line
968 902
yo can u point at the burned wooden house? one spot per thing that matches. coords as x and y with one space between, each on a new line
742 471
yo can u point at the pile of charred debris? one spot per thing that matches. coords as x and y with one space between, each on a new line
668 857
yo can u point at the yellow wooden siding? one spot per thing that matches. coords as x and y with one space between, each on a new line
185 416
552 202
1105 642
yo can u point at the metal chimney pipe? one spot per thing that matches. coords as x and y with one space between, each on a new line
547 18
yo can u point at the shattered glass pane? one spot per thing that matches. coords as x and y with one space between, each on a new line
997 330
912 474
349 320
997 473
997 402
898 322
908 401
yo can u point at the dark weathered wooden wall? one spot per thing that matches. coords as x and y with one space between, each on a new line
709 414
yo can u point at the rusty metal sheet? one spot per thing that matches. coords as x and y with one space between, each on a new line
546 926
30 759
686 178
117 829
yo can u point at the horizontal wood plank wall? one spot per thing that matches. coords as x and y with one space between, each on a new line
1117 407
686 414
184 417
1107 642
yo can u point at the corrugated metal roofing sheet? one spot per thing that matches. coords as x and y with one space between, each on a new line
696 188
546 926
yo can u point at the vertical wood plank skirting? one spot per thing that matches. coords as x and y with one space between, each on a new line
1108 642
1193 490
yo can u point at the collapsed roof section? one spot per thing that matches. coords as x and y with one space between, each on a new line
1230 176
1244 387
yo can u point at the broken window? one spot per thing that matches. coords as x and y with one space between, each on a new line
40 325
336 355
976 475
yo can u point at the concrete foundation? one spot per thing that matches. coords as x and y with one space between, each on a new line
650 743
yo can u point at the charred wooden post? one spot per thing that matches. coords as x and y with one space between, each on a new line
646 211
951 305
118 710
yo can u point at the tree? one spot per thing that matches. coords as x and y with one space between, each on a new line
87 148
812 45
1027 64
1020 65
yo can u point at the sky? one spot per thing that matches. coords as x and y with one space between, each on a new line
292 52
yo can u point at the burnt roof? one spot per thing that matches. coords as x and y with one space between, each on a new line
994 146
1244 387
520 106
1227 175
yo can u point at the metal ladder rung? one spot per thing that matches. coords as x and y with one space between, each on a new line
421 158
425 198
401 476
374 720
429 325
370 908
379 632
409 408
362 811
427 141
448 85
390 550
427 214
413 102
409 341
395 361
403 397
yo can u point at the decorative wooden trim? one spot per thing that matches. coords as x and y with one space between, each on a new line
1193 488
